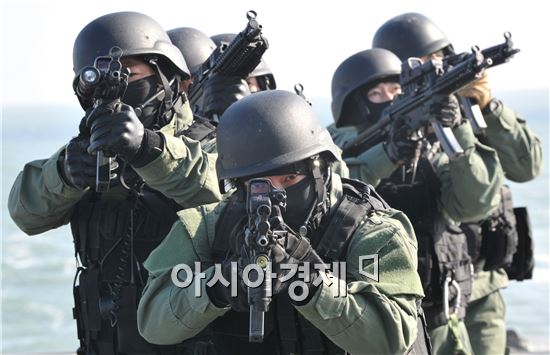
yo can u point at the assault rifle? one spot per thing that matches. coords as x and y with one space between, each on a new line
420 82
103 83
238 58
259 236
497 55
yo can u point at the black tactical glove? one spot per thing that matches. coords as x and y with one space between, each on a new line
445 109
220 91
221 296
400 145
116 130
77 167
293 252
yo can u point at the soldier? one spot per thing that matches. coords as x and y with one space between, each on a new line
219 91
261 78
443 192
195 46
520 154
159 168
326 218
354 110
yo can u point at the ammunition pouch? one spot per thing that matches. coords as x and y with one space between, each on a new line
493 242
521 267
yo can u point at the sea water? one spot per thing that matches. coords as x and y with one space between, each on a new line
38 271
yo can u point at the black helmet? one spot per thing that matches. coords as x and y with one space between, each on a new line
223 37
136 34
361 70
195 45
268 131
411 35
262 70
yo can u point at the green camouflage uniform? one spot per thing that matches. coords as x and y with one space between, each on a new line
520 154
374 317
470 187
40 200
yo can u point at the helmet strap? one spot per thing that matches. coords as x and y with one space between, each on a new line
169 100
321 205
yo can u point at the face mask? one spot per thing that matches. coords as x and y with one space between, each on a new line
137 93
354 112
376 110
140 90
362 112
299 201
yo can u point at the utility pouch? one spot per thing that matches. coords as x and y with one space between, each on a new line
500 237
523 262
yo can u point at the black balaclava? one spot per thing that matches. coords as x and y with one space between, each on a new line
306 201
154 97
376 109
299 202
362 112
142 96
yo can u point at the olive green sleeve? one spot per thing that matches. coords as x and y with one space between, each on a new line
471 182
183 172
375 317
169 314
371 166
39 199
341 135
518 148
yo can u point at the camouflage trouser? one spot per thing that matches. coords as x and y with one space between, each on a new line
451 339
486 326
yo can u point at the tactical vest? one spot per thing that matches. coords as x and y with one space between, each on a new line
443 262
503 240
492 242
286 331
114 233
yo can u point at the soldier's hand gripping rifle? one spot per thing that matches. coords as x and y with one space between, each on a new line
238 58
420 82
104 83
496 55
259 237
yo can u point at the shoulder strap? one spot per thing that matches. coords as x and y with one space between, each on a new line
365 192
422 344
358 201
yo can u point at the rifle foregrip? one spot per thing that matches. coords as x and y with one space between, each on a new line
103 172
448 141
256 330
473 113
240 60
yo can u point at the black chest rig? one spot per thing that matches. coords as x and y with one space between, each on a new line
503 240
443 262
286 331
114 233
493 241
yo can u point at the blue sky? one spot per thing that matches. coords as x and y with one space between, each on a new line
307 39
